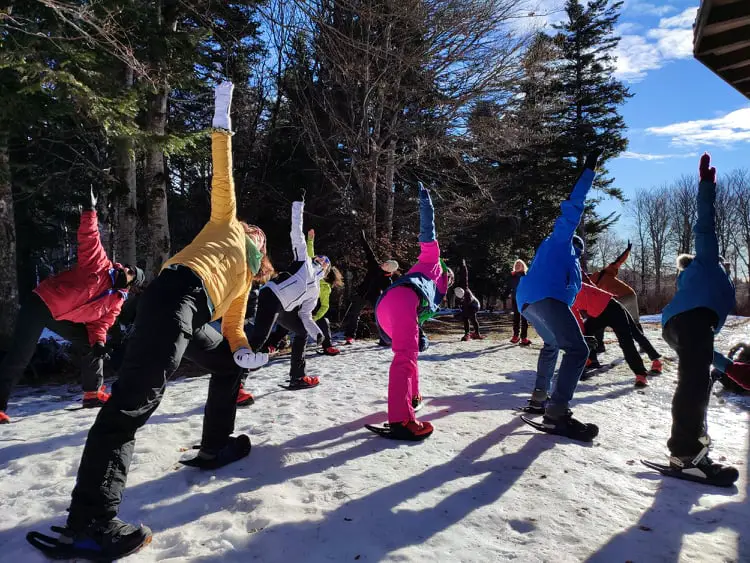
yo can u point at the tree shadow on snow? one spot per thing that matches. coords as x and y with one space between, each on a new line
466 355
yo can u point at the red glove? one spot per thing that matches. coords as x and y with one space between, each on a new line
740 374
707 171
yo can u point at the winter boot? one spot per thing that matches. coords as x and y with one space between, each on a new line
477 336
4 418
466 337
235 449
348 341
525 342
701 469
566 425
100 541
641 381
656 367
331 351
244 399
413 430
93 399
515 339
592 364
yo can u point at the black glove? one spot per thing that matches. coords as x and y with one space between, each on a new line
592 159
92 201
630 245
99 350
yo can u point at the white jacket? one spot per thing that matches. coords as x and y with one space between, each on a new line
302 288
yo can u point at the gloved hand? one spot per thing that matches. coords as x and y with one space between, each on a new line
630 245
592 158
92 200
424 342
705 169
311 234
246 358
99 350
739 372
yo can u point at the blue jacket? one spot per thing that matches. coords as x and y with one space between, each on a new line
555 272
705 282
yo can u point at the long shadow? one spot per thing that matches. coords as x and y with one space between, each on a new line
669 520
469 354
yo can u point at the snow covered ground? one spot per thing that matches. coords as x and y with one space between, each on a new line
319 487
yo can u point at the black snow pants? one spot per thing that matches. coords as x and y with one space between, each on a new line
33 318
691 335
172 322
616 317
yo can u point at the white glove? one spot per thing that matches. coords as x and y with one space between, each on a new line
222 105
246 358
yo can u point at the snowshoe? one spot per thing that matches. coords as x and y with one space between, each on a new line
99 542
702 471
413 431
641 381
348 341
656 368
525 342
465 338
477 336
4 418
95 399
565 426
237 448
305 382
515 340
329 351
533 407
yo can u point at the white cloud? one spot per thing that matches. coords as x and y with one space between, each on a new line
646 156
729 129
647 9
672 39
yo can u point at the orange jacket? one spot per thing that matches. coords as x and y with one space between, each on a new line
607 278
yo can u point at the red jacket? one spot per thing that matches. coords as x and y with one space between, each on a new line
591 300
86 294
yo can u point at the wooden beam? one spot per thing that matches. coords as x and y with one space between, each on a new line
735 59
724 42
737 75
728 16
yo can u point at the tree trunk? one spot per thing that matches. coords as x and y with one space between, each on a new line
8 265
127 210
156 184
389 187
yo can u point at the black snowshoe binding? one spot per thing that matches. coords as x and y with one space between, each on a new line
699 468
102 541
416 403
237 448
533 407
566 426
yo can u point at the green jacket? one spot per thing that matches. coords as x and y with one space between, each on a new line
324 301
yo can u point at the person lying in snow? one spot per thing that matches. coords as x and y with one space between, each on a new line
545 296
209 279
80 305
403 307
603 310
290 300
704 298
468 303
377 279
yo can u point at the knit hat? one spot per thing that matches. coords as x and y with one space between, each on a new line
389 266
459 292
140 276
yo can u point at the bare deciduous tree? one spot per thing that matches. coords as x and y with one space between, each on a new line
683 194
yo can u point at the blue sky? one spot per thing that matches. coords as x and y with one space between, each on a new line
679 108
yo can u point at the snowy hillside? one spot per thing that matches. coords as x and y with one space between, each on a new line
319 487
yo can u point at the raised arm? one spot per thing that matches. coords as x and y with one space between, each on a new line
621 259
299 244
706 243
223 199
463 275
372 260
91 254
429 248
572 208
311 243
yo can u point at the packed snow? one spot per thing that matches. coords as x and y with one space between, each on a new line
319 487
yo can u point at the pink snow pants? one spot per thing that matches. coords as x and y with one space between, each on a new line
397 316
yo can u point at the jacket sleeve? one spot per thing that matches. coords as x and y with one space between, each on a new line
325 301
463 275
233 322
706 243
223 199
91 254
299 244
572 208
372 260
615 266
426 216
305 315
310 247
721 362
97 330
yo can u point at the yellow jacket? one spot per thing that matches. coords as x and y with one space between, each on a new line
217 254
